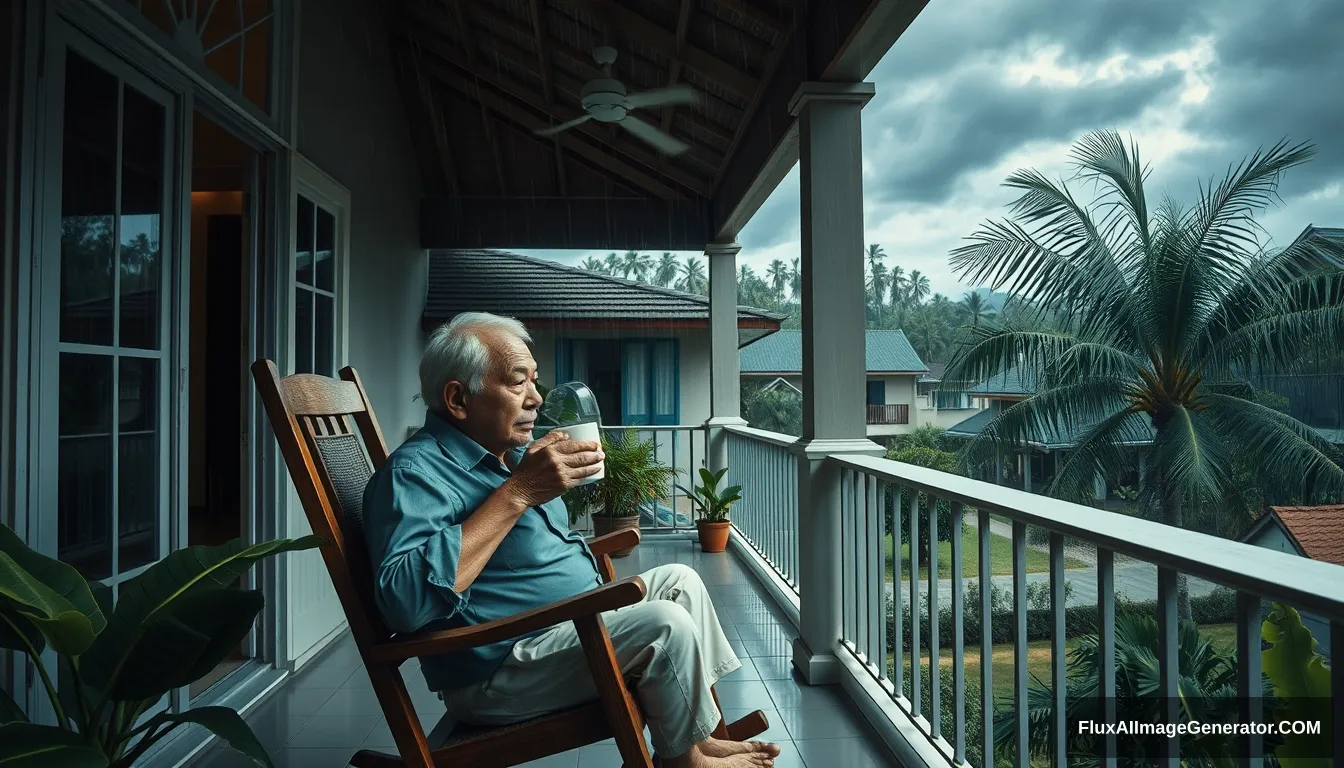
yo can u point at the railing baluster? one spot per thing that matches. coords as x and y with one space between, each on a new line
935 678
958 643
914 604
860 616
846 512
897 595
986 640
880 542
1168 658
877 598
1337 691
1249 684
1020 642
1058 683
1106 638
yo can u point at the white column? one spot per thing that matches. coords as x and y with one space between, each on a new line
725 388
834 370
998 465
1099 486
1026 471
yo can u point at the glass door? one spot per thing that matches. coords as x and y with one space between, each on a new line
107 300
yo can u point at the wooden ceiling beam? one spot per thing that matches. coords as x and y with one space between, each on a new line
748 11
664 41
545 66
487 124
674 70
755 103
600 158
434 115
557 112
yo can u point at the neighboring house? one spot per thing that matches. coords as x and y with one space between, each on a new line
944 407
894 404
1314 532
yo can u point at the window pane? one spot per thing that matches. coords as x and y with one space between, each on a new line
138 457
303 245
665 379
141 207
303 330
88 203
256 84
325 254
635 384
324 338
84 464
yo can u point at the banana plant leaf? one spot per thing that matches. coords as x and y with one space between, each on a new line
228 726
1301 683
23 745
25 598
184 642
149 597
65 594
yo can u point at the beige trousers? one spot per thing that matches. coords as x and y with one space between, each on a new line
670 643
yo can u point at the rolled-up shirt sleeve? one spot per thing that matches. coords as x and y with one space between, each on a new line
413 524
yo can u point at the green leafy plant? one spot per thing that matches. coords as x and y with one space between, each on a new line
633 476
713 504
1300 678
171 625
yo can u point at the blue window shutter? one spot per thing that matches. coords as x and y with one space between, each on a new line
665 381
877 392
636 392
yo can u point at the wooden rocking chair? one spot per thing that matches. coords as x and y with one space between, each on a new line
311 417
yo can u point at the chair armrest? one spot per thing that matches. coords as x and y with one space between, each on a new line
607 597
610 542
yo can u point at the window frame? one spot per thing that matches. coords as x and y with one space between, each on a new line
322 191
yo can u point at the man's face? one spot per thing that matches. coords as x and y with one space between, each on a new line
501 416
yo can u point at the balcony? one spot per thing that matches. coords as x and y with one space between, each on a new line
889 414
1061 573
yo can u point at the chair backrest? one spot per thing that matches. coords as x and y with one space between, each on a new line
330 463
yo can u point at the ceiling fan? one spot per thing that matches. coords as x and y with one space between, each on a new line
606 101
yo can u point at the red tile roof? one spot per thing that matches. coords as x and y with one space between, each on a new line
1319 531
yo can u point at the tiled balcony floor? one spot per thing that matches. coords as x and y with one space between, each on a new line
328 711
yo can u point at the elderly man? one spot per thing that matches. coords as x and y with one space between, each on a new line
465 525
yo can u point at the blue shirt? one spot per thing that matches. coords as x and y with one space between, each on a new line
414 508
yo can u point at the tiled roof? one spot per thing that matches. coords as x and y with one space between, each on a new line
529 288
782 352
1011 382
1334 235
1066 436
1318 531
935 372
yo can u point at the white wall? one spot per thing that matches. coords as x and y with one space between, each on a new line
351 124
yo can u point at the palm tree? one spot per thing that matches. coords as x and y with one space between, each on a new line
795 281
666 271
916 288
877 275
1159 318
779 277
594 264
693 278
896 282
975 307
612 263
636 266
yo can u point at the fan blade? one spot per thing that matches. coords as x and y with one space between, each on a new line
668 145
554 129
676 94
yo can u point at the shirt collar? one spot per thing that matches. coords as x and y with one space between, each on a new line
465 451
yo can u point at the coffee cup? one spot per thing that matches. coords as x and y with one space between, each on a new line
588 431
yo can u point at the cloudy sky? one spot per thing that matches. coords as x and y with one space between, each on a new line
976 89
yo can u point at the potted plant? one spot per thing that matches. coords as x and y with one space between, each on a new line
713 506
634 477
171 625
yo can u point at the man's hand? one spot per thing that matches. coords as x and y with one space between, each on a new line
553 465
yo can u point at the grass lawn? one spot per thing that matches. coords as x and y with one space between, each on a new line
1001 560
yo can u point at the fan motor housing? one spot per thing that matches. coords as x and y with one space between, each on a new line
604 99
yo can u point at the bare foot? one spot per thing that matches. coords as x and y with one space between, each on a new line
713 747
698 758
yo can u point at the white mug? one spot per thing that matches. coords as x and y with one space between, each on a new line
587 431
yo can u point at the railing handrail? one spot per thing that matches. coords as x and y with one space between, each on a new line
1301 582
648 427
774 438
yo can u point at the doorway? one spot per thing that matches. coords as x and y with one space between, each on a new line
223 180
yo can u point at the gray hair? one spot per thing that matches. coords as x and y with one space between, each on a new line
455 352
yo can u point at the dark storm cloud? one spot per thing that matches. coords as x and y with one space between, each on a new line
777 220
925 145
1278 73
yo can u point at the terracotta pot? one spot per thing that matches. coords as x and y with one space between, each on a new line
604 525
713 536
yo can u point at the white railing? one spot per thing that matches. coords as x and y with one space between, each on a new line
767 516
881 635
682 447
